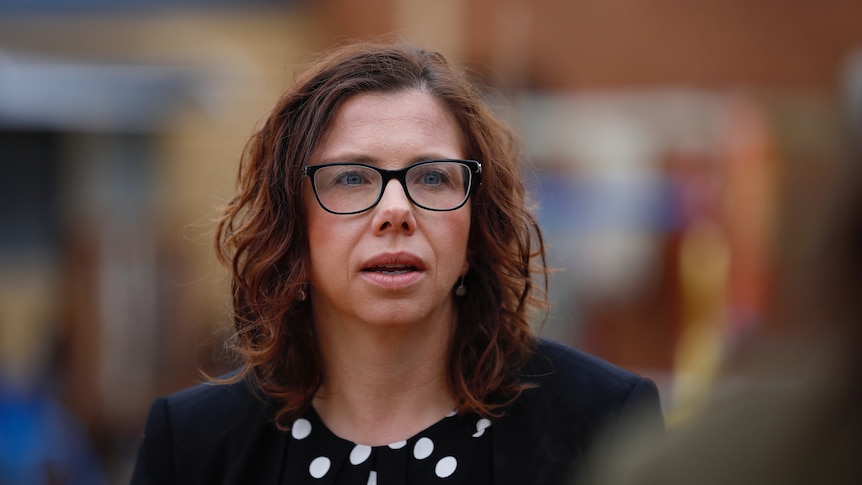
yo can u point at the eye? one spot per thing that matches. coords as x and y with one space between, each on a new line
432 178
350 178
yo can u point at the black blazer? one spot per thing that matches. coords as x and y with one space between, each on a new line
223 434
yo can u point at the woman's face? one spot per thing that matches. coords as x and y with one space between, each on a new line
395 264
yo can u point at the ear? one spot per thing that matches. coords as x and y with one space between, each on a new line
465 268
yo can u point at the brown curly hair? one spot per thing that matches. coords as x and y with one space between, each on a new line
262 235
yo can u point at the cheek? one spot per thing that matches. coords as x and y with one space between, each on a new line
463 231
321 232
454 239
326 257
331 240
318 222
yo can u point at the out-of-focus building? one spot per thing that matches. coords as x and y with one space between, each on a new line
120 131
684 154
686 157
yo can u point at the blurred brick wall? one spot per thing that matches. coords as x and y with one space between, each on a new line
563 44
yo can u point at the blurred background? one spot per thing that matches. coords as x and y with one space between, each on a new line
685 159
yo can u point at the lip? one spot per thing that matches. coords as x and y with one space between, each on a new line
393 270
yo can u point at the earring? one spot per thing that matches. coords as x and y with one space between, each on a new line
461 290
302 294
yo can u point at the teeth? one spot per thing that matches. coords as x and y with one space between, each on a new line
393 268
402 271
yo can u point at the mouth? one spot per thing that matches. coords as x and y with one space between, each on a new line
394 271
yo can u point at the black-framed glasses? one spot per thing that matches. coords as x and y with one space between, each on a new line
435 185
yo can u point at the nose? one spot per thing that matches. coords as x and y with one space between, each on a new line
394 212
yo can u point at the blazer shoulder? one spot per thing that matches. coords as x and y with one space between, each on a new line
575 397
210 411
561 364
588 385
215 400
206 434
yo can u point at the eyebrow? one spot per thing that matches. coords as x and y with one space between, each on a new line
374 161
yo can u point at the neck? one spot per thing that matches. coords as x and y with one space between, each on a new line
383 385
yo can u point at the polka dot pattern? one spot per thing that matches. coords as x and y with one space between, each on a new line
481 425
319 466
398 445
423 448
446 466
301 429
456 449
359 454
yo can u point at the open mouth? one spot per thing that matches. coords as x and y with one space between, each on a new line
391 269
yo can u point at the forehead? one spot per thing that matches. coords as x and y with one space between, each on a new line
384 124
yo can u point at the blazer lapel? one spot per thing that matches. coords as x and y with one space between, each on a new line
261 458
536 442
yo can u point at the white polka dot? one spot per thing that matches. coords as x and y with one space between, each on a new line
301 429
319 466
446 466
398 445
480 427
423 448
359 454
372 478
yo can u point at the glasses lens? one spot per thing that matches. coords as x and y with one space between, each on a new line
347 188
439 185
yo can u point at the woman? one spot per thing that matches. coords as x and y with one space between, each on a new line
383 259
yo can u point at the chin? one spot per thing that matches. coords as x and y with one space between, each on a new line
404 314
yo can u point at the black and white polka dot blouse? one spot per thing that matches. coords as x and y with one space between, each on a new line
454 450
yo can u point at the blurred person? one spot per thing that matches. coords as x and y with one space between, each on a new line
788 411
383 260
42 442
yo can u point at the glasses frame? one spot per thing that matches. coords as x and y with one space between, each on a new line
474 167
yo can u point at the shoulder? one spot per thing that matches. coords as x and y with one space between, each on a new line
204 433
212 403
557 363
571 383
574 400
212 414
